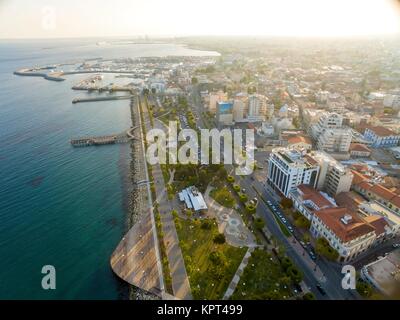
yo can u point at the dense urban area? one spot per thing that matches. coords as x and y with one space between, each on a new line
323 192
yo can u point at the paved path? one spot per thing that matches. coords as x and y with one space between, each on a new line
137 257
180 281
230 223
238 274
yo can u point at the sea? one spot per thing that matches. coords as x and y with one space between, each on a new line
62 206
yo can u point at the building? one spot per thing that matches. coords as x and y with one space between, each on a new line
330 135
225 113
333 177
193 199
300 142
384 274
345 231
333 141
326 121
215 97
307 200
289 168
239 111
359 150
257 108
381 137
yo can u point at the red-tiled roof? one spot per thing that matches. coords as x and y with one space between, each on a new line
309 193
345 232
382 131
378 223
382 192
365 185
299 139
359 147
350 200
358 177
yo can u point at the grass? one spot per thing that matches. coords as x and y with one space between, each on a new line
259 282
197 244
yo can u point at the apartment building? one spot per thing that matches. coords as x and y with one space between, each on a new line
288 168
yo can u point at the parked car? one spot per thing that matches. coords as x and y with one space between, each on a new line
396 245
290 229
321 288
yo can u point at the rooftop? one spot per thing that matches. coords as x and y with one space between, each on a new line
353 229
381 131
385 273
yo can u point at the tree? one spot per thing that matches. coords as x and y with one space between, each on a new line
217 258
219 238
206 225
324 249
294 274
287 203
259 223
364 289
195 80
309 296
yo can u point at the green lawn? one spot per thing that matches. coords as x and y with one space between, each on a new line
266 280
207 280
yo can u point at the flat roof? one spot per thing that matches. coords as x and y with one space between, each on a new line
385 273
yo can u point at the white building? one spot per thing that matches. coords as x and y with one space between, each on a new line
193 199
334 140
289 168
333 177
381 137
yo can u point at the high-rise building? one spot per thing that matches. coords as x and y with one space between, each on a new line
289 168
214 98
239 109
330 135
225 112
257 108
334 140
333 177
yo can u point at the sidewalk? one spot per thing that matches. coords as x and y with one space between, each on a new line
238 274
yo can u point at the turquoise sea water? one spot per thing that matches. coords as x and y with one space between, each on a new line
59 205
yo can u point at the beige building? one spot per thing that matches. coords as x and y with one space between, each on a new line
215 97
345 231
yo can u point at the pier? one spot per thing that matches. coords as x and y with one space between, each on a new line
104 140
79 100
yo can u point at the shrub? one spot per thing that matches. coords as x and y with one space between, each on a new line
287 203
309 296
219 238
206 224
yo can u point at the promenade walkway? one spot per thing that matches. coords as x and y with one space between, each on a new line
180 282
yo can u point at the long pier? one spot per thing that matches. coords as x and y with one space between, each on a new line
78 100
104 140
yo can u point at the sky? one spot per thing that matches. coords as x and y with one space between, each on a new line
105 18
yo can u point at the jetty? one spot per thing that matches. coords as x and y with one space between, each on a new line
80 100
104 140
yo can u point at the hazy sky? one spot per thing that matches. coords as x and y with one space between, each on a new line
84 18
